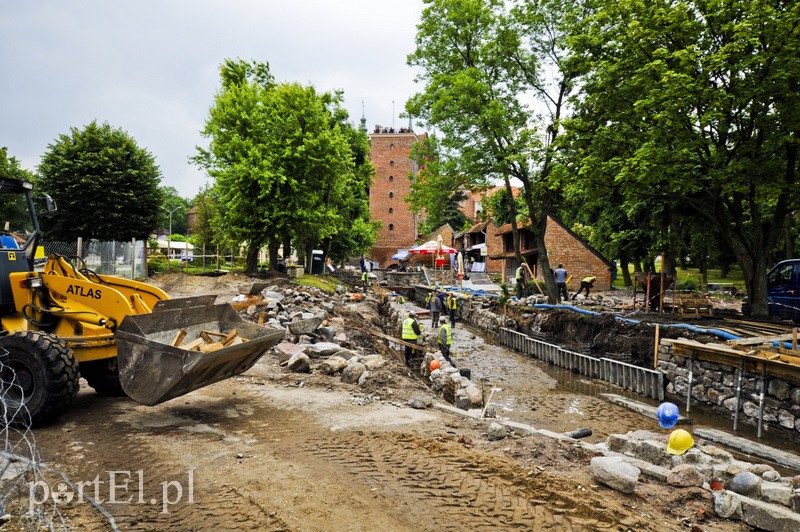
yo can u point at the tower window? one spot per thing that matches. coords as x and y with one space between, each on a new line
391 178
391 163
391 210
391 227
391 195
391 146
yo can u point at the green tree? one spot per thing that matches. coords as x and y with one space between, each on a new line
207 230
179 207
10 168
283 162
708 91
482 65
496 204
104 184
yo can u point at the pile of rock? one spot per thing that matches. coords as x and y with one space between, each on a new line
448 380
749 485
312 342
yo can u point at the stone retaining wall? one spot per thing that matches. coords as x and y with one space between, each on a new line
714 385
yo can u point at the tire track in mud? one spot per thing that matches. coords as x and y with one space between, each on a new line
215 506
444 481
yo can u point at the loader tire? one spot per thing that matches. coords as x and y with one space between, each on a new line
103 376
39 377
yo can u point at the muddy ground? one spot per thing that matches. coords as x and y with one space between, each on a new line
272 450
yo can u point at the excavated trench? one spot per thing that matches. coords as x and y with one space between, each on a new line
531 391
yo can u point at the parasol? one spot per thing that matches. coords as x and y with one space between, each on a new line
432 247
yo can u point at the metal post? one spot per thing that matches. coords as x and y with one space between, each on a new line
761 398
133 259
80 247
738 394
689 390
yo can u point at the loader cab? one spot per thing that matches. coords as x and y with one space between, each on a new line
19 233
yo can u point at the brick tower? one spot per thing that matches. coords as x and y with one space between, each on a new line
390 153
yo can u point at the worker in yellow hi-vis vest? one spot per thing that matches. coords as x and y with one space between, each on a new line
411 331
586 284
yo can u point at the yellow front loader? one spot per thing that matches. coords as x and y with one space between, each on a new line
67 321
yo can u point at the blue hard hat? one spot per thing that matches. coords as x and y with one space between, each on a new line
667 415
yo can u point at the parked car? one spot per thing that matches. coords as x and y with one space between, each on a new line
783 291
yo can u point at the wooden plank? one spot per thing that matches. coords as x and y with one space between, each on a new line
761 340
229 337
194 344
208 348
373 332
179 336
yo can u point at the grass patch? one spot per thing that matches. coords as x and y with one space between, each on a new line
323 282
691 278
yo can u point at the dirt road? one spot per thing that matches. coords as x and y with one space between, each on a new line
271 450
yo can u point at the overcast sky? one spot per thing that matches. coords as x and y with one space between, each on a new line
151 67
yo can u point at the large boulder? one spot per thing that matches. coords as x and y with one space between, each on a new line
304 326
496 431
286 350
352 372
615 473
746 483
299 363
332 365
322 349
372 362
684 476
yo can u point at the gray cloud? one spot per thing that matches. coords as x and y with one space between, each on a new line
151 67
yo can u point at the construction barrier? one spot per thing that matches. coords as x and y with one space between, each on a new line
647 382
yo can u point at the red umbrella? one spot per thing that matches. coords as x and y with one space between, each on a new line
432 247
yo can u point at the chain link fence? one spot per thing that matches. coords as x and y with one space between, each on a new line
126 259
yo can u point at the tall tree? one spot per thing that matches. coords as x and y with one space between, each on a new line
710 91
283 163
105 185
482 65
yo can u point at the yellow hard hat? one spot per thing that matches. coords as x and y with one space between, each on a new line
679 442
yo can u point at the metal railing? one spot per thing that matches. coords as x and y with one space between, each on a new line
648 382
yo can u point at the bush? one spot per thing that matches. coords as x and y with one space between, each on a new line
689 285
157 263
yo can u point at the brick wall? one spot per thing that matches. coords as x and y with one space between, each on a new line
389 153
579 261
494 246
563 247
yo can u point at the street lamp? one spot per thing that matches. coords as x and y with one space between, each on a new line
170 233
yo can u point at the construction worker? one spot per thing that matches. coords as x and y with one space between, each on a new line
411 331
435 306
365 280
446 340
561 282
520 276
586 284
452 306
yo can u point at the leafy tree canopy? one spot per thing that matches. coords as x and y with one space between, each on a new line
104 184
286 165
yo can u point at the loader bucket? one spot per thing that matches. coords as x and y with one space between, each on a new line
152 370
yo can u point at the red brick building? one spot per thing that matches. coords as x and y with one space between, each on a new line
390 153
563 247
